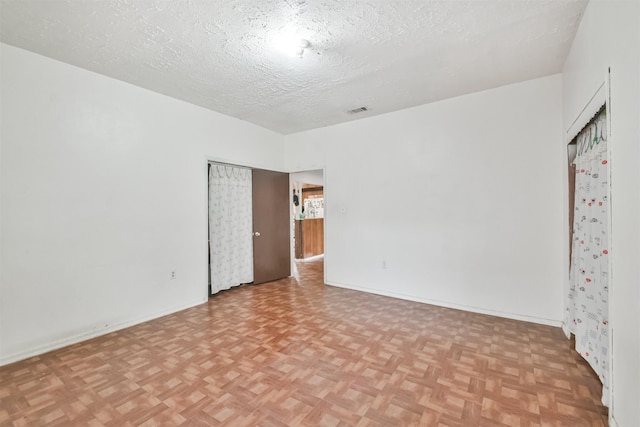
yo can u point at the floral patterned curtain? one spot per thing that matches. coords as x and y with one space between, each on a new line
587 309
230 227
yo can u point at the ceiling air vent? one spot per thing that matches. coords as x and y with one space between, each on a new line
357 110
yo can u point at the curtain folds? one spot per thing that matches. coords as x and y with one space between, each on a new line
230 227
587 312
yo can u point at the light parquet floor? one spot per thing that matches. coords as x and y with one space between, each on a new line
293 353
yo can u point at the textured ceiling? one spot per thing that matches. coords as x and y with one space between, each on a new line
219 54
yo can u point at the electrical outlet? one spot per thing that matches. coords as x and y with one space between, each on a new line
173 275
384 264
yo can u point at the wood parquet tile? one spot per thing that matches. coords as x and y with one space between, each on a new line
292 353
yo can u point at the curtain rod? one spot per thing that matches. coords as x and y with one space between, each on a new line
587 105
598 100
228 164
591 121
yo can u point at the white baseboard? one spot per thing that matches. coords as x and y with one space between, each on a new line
480 310
83 336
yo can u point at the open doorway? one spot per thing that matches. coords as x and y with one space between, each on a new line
307 216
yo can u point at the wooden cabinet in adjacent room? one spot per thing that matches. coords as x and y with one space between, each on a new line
309 237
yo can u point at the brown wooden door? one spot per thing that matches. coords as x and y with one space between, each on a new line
271 226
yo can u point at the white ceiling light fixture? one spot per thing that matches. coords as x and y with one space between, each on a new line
304 44
291 44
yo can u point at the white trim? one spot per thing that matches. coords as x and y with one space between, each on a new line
325 226
472 309
74 339
611 291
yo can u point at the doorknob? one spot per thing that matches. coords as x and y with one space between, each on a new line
256 233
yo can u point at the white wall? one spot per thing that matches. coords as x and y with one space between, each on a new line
609 36
103 188
460 200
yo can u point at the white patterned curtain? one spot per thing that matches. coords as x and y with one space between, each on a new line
587 310
230 227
